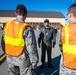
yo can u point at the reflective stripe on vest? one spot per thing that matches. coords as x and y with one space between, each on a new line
10 40
69 51
14 45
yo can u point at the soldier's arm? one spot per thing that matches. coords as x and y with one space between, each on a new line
60 45
3 43
39 37
54 36
31 46
60 41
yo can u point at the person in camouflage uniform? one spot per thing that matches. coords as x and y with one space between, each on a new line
47 39
25 63
70 50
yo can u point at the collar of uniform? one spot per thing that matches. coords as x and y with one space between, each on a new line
73 21
19 20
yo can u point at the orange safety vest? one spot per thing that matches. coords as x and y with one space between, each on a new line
14 41
69 45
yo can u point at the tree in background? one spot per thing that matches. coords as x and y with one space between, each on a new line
40 25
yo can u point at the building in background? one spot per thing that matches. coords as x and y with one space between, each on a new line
34 18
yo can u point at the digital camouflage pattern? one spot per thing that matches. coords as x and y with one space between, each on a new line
27 62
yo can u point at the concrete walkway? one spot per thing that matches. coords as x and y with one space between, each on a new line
38 71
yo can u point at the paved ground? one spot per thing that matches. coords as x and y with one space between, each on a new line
38 71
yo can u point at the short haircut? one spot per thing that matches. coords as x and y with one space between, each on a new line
72 9
21 10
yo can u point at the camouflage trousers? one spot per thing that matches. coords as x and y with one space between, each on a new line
64 70
19 65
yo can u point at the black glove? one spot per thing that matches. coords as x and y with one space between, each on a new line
39 45
53 44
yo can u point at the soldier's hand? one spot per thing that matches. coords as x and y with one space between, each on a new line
39 45
53 44
34 66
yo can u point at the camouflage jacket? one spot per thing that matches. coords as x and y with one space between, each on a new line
31 46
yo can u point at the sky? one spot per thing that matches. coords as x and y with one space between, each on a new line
38 5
